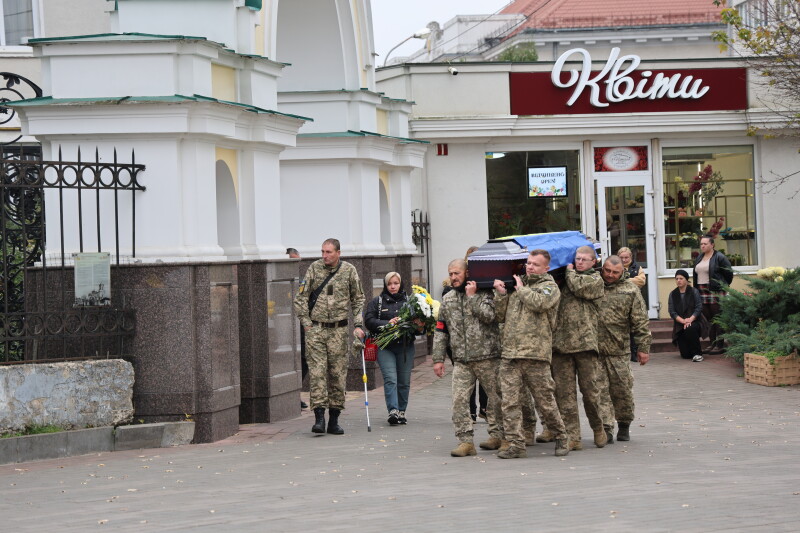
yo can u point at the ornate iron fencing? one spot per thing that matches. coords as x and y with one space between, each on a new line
38 319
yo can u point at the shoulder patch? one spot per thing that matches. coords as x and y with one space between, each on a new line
547 290
302 287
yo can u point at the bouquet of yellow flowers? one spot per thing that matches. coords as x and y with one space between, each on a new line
417 316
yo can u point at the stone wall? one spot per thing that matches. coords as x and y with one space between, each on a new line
71 395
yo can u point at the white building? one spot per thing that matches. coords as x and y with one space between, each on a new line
627 159
259 122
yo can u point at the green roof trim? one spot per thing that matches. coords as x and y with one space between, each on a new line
173 99
255 5
116 37
362 133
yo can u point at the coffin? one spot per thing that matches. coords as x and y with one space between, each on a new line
502 258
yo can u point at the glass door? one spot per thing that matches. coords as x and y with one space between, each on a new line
625 219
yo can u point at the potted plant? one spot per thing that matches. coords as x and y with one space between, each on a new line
762 326
688 242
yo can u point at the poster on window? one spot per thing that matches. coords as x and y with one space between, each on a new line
620 159
547 182
92 279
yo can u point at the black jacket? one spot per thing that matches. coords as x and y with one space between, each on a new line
381 309
719 270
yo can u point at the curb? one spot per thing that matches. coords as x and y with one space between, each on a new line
94 440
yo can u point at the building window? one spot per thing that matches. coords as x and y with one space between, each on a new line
533 192
17 22
709 190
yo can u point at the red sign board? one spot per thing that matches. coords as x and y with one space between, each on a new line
534 93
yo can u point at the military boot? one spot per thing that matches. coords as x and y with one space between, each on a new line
333 424
562 447
609 429
530 438
492 444
464 449
513 452
319 424
624 432
504 445
575 445
600 437
545 436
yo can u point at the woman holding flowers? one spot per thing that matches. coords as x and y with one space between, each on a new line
396 355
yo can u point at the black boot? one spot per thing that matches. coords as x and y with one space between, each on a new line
319 424
624 431
333 422
609 433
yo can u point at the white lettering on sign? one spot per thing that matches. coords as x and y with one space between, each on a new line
619 86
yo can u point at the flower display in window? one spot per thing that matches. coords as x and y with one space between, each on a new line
708 183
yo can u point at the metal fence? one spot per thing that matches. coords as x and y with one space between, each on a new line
38 318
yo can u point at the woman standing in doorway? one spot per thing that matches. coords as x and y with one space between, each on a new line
711 270
397 359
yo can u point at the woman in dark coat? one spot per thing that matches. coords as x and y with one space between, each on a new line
397 359
712 271
686 310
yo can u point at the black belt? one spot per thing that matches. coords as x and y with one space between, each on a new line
340 324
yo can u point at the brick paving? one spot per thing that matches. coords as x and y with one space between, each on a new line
709 452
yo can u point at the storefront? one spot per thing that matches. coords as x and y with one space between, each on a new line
647 155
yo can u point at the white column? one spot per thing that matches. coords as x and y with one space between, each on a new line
260 203
198 201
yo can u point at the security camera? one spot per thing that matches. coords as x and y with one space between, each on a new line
453 71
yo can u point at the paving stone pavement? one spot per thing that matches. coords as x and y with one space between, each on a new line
709 452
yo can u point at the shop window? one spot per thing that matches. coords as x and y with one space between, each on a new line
533 192
709 190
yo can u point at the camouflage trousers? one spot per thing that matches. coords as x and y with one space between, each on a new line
591 379
464 376
620 388
519 377
326 353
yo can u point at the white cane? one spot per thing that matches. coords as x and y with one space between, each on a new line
364 379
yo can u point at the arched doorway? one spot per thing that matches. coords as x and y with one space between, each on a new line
228 234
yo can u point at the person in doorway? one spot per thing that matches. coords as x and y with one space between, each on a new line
637 276
712 271
686 310
467 325
575 349
294 254
529 314
328 293
621 312
396 360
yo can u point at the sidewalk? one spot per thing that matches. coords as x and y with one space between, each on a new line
709 452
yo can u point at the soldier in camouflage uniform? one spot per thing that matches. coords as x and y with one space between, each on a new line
529 314
326 330
467 324
575 349
621 314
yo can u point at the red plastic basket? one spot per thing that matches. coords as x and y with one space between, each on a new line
370 350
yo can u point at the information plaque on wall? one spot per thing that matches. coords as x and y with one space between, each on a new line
92 279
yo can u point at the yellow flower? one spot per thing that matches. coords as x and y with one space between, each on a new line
435 309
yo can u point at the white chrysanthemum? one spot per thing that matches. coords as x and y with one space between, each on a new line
423 305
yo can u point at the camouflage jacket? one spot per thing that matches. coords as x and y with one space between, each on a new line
621 311
468 325
577 313
341 296
530 316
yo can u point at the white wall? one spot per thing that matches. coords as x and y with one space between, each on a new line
778 221
457 204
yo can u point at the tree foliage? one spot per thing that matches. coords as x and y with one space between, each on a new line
766 34
521 53
765 317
